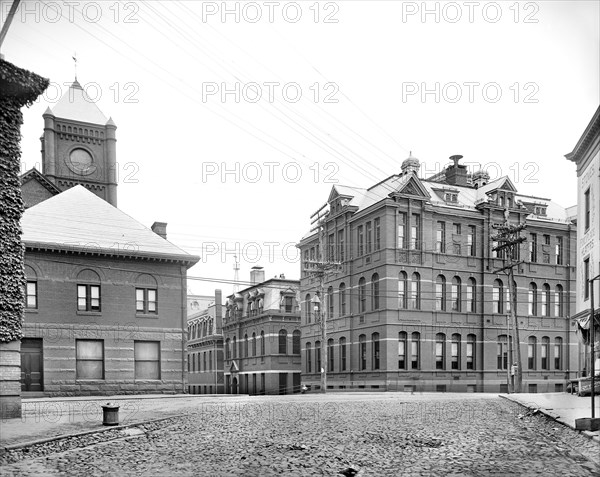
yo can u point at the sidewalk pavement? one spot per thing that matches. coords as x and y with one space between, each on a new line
561 407
48 418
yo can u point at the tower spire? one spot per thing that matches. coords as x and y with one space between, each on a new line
75 64
236 274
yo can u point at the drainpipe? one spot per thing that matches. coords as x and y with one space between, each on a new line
183 324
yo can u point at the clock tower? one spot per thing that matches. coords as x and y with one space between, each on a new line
79 145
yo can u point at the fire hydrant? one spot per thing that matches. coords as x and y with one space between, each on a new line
110 414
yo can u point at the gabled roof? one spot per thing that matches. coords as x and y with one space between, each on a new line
78 220
34 174
75 104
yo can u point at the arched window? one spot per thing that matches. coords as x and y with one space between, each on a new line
502 352
455 352
342 346
545 352
545 299
440 293
440 351
253 344
362 298
307 307
415 350
471 341
245 346
296 342
531 349
308 358
415 291
558 353
375 348
558 301
375 291
282 342
342 298
330 302
234 346
532 299
330 356
227 348
402 350
497 296
262 343
317 356
471 295
402 288
362 352
456 294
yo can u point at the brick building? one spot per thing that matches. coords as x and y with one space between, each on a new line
106 296
416 304
261 331
205 349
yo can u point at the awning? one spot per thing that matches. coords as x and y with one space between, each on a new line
583 325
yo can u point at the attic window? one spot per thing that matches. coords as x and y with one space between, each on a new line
539 210
451 196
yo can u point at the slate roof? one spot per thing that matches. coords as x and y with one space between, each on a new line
78 220
76 105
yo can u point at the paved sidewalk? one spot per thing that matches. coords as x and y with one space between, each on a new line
562 407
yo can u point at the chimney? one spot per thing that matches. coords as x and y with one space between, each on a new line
160 228
456 174
480 178
257 275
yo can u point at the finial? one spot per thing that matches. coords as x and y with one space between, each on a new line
75 62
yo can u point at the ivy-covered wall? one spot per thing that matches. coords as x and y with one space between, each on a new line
18 88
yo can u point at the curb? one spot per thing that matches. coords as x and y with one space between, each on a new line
101 430
555 418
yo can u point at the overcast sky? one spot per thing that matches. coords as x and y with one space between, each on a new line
346 89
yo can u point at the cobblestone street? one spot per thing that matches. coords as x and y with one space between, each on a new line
375 434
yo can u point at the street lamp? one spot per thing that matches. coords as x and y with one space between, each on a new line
316 301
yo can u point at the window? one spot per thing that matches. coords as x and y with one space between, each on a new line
508 303
471 249
307 307
31 295
342 298
531 345
317 356
288 304
341 245
533 248
203 362
210 360
88 297
253 344
377 234
415 350
415 232
415 291
471 340
558 301
456 229
440 243
558 251
440 293
330 357
502 352
245 346
262 343
308 358
402 229
360 241
296 342
342 345
402 350
362 298
369 234
375 291
557 353
234 346
89 359
362 352
455 352
586 218
471 303
545 299
227 348
497 296
456 294
545 351
402 298
375 347
586 278
331 248
440 351
330 302
282 342
532 299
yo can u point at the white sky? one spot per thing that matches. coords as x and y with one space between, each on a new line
151 61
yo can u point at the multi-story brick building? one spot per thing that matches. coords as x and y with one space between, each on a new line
205 349
417 303
261 329
106 296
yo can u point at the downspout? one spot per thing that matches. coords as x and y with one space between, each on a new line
183 324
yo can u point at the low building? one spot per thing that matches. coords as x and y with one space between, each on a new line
261 329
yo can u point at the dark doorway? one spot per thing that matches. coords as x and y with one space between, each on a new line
32 369
234 386
282 383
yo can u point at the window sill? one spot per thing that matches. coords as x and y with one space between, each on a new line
89 313
147 315
90 381
31 310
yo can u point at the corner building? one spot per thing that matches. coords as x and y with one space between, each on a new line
416 304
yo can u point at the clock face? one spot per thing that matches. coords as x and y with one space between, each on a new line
81 162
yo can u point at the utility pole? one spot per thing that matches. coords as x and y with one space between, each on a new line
508 238
320 268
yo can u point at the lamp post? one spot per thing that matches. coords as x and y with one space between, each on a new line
320 317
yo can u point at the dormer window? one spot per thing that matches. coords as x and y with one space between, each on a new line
539 210
451 196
